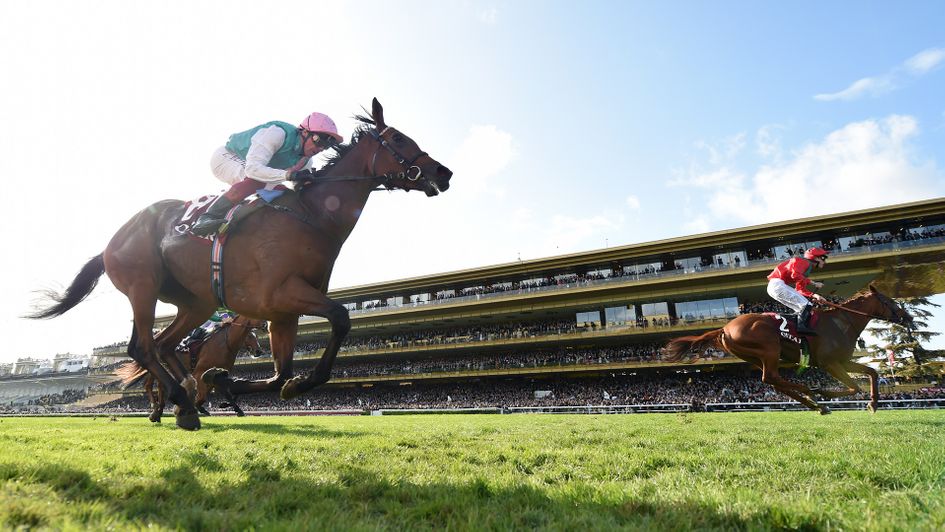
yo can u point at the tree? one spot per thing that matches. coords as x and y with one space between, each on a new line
902 342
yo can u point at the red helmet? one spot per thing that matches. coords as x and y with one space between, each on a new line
816 253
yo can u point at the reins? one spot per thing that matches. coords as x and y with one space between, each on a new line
854 311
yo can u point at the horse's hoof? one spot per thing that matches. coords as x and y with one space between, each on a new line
203 411
824 410
215 376
290 390
154 418
189 421
872 408
240 413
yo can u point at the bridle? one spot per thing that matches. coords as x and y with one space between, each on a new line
409 169
399 157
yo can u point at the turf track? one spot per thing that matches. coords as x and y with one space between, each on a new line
793 470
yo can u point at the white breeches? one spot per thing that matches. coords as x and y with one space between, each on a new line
227 167
786 295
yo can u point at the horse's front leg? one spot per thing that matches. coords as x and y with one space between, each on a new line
282 335
315 303
798 392
852 367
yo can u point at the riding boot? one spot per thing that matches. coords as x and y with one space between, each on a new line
210 221
803 322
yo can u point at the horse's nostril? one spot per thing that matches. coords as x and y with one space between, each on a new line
443 172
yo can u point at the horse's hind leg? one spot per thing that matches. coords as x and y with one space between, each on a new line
142 350
156 399
187 318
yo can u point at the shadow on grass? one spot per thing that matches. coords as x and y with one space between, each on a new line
354 498
278 428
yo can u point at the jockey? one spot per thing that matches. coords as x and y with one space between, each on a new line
788 284
263 157
220 317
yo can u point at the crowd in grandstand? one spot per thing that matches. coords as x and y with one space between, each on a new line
692 389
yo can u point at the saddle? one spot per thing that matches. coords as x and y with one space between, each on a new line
280 195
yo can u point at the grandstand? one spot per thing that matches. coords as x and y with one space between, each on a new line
600 316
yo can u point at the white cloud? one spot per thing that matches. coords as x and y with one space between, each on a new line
484 153
861 87
862 165
633 202
925 60
917 65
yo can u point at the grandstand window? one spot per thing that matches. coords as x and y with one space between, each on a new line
351 306
928 231
731 259
689 264
445 294
588 319
643 269
396 301
601 273
654 309
620 315
707 309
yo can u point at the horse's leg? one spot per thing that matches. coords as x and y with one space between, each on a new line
309 301
836 370
282 341
157 409
143 351
798 392
167 340
853 367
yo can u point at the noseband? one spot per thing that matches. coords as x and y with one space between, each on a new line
408 166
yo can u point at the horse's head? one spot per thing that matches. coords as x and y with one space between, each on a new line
402 161
888 309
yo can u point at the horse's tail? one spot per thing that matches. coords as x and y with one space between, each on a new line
677 347
130 373
81 287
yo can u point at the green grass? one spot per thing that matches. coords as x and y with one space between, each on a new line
794 470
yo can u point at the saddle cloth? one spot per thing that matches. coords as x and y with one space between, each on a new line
194 208
787 325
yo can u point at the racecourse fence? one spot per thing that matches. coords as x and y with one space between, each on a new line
771 406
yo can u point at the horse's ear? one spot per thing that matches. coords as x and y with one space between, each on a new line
377 113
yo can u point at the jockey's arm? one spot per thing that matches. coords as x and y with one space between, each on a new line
264 144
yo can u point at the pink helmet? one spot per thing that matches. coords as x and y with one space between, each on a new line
814 253
320 123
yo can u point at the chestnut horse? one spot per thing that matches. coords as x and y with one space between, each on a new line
755 338
218 350
278 263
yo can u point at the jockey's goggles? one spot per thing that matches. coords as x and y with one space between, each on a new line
324 141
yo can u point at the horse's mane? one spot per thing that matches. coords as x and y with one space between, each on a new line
859 295
340 150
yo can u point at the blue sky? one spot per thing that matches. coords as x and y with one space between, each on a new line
568 126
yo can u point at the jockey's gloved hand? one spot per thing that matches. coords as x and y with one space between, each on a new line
303 175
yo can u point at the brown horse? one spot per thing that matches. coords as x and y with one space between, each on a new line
218 350
277 264
755 338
